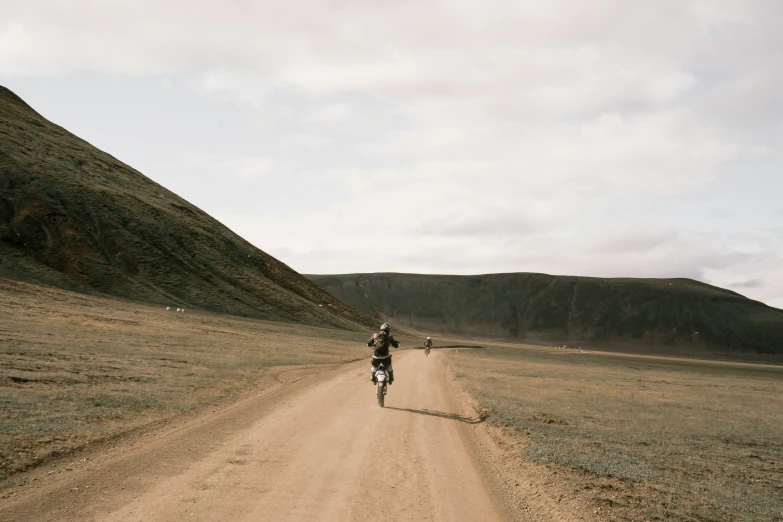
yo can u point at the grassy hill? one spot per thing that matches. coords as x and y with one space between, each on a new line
559 308
74 217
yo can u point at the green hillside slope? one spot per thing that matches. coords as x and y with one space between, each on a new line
545 307
74 217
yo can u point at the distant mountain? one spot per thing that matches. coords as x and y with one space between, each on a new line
74 217
558 308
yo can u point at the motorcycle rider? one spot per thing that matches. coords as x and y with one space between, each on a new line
381 341
428 344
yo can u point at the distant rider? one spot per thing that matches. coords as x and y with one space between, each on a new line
428 344
381 341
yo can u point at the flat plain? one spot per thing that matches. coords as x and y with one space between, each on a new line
636 437
97 387
77 369
115 410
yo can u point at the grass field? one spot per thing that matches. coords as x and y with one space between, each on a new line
641 438
76 369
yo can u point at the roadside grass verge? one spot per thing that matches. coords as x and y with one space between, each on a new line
640 438
76 369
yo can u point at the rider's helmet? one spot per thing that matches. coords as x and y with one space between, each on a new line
428 338
385 327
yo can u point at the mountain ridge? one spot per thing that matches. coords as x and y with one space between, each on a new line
555 308
75 217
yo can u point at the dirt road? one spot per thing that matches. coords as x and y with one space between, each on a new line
306 449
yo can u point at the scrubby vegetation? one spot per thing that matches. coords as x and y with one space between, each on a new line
643 438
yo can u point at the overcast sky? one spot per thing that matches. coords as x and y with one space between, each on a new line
602 138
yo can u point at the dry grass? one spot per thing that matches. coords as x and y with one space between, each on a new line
76 369
641 438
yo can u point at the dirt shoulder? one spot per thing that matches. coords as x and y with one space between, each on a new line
524 491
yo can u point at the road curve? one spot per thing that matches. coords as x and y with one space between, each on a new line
325 451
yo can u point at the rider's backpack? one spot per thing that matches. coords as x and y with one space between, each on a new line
382 340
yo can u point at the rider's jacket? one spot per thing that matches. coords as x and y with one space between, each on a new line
381 342
428 343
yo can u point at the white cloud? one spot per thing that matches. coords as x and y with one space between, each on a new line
253 168
564 136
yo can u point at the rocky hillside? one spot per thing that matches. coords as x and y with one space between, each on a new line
73 216
559 308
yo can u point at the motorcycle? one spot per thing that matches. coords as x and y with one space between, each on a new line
381 376
427 351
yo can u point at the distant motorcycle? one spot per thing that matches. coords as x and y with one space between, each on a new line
381 377
427 351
